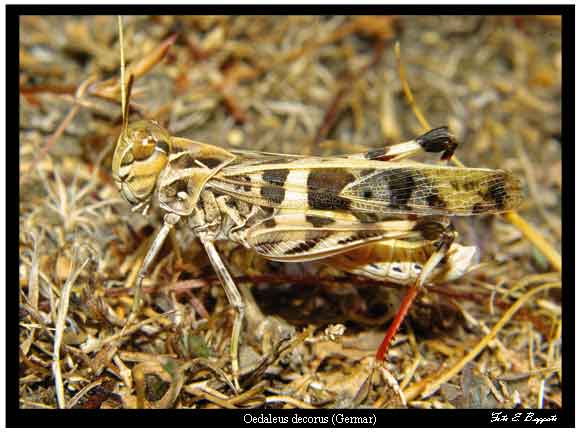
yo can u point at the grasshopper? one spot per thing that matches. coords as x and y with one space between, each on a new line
293 208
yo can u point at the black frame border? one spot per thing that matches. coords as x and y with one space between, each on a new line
16 417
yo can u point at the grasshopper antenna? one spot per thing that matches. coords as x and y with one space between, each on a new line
125 86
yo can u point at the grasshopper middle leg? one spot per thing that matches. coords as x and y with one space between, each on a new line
234 298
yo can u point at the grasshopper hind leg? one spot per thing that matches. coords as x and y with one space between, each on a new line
438 140
442 248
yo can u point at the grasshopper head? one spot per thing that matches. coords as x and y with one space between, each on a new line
141 154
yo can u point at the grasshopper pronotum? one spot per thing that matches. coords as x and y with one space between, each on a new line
296 208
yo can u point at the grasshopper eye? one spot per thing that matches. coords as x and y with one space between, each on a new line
147 140
143 148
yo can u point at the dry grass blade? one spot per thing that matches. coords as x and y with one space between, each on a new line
112 89
50 142
536 239
429 386
60 327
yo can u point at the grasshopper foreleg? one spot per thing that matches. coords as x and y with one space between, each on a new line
168 222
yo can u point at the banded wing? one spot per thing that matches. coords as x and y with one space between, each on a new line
370 188
296 237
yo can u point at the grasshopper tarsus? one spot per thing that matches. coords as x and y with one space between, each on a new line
438 140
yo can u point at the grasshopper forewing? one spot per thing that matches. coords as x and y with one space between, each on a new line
297 208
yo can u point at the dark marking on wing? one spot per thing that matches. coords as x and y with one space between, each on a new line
316 235
273 193
324 187
245 180
269 223
265 212
303 246
393 187
366 217
434 200
456 185
464 184
401 182
318 221
358 236
497 192
276 177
